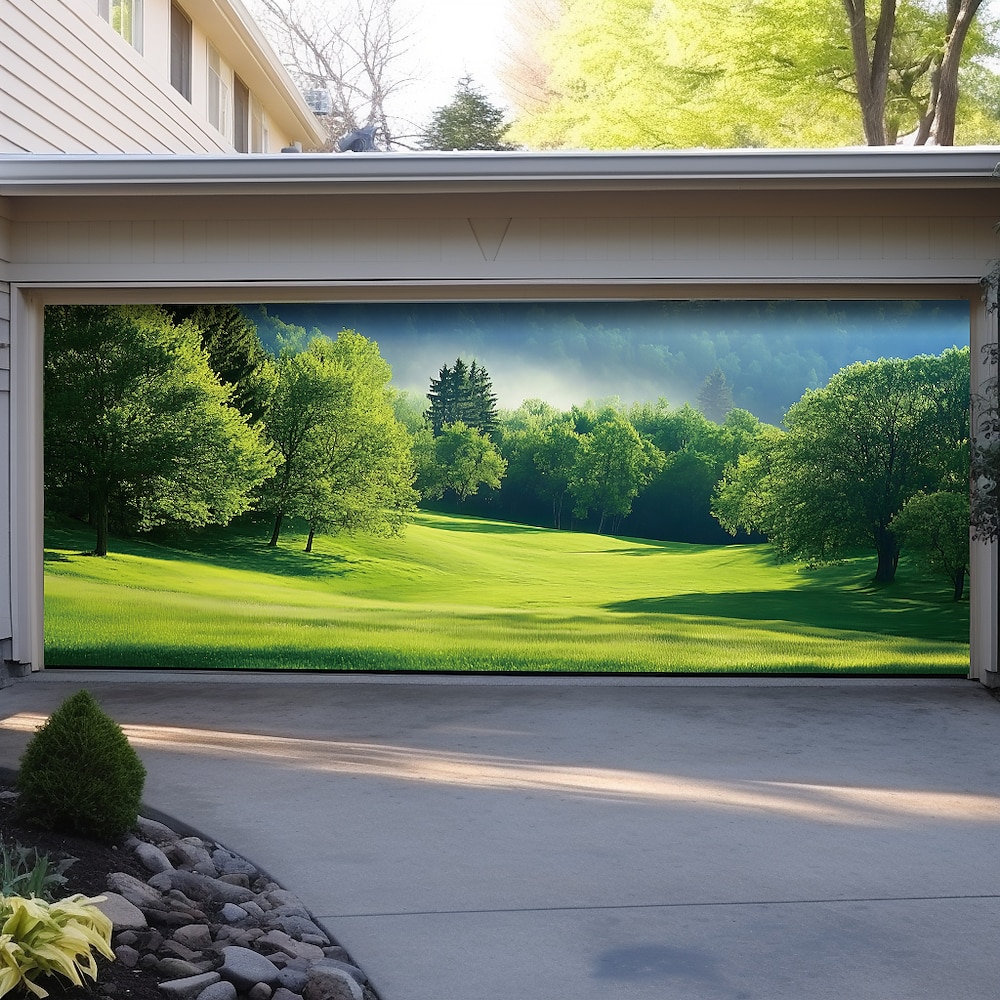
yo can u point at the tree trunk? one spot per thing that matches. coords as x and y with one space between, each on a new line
888 556
959 580
961 14
871 74
600 526
278 518
309 540
101 523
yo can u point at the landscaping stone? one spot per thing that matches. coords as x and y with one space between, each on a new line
190 987
331 984
214 928
245 968
152 858
124 915
218 991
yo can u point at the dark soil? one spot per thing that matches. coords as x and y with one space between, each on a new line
88 874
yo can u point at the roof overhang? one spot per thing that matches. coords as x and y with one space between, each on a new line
415 173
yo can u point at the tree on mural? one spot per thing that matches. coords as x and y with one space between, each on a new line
344 460
613 465
459 459
715 398
853 454
138 429
462 394
934 527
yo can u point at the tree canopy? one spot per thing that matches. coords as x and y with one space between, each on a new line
853 454
662 74
138 429
345 460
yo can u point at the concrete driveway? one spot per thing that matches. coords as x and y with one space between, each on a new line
563 839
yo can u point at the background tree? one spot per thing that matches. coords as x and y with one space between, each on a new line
345 459
349 50
234 349
460 459
715 398
138 428
854 453
468 121
613 465
625 73
935 528
462 394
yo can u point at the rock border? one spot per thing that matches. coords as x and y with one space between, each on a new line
212 926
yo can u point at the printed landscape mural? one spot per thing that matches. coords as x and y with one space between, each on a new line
546 487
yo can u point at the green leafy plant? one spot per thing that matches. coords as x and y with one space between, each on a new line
39 939
25 872
80 774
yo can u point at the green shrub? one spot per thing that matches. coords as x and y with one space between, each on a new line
79 774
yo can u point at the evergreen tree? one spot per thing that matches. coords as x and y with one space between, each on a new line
715 399
469 121
462 394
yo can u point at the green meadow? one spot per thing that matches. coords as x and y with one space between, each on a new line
467 594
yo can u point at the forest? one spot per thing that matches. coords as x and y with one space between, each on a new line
157 417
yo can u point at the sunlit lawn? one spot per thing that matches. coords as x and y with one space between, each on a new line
467 594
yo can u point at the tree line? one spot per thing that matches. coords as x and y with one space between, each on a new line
156 416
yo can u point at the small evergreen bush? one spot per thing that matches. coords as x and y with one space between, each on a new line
79 773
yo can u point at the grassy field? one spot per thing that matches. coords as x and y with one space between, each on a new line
463 594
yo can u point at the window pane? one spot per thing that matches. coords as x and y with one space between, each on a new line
180 51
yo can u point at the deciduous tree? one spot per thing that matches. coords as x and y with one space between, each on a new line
138 429
935 528
460 459
853 454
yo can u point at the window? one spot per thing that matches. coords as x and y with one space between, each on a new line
259 138
125 16
218 92
241 116
180 51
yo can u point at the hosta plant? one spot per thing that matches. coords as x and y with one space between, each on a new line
40 939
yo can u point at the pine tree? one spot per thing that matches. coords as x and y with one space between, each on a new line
462 394
470 121
715 399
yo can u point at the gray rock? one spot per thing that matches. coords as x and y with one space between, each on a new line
155 832
331 984
232 914
124 915
285 994
189 851
293 979
199 887
127 955
352 970
174 949
198 937
245 968
239 879
136 892
152 858
206 868
280 941
296 926
282 897
232 864
218 991
260 992
254 910
190 987
176 968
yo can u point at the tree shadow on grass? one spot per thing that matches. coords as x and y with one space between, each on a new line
860 611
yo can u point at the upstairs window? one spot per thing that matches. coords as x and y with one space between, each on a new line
180 51
241 116
259 138
219 103
125 16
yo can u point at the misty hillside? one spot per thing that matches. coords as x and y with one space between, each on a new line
567 353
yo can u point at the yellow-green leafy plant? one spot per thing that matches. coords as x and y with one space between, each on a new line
39 939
